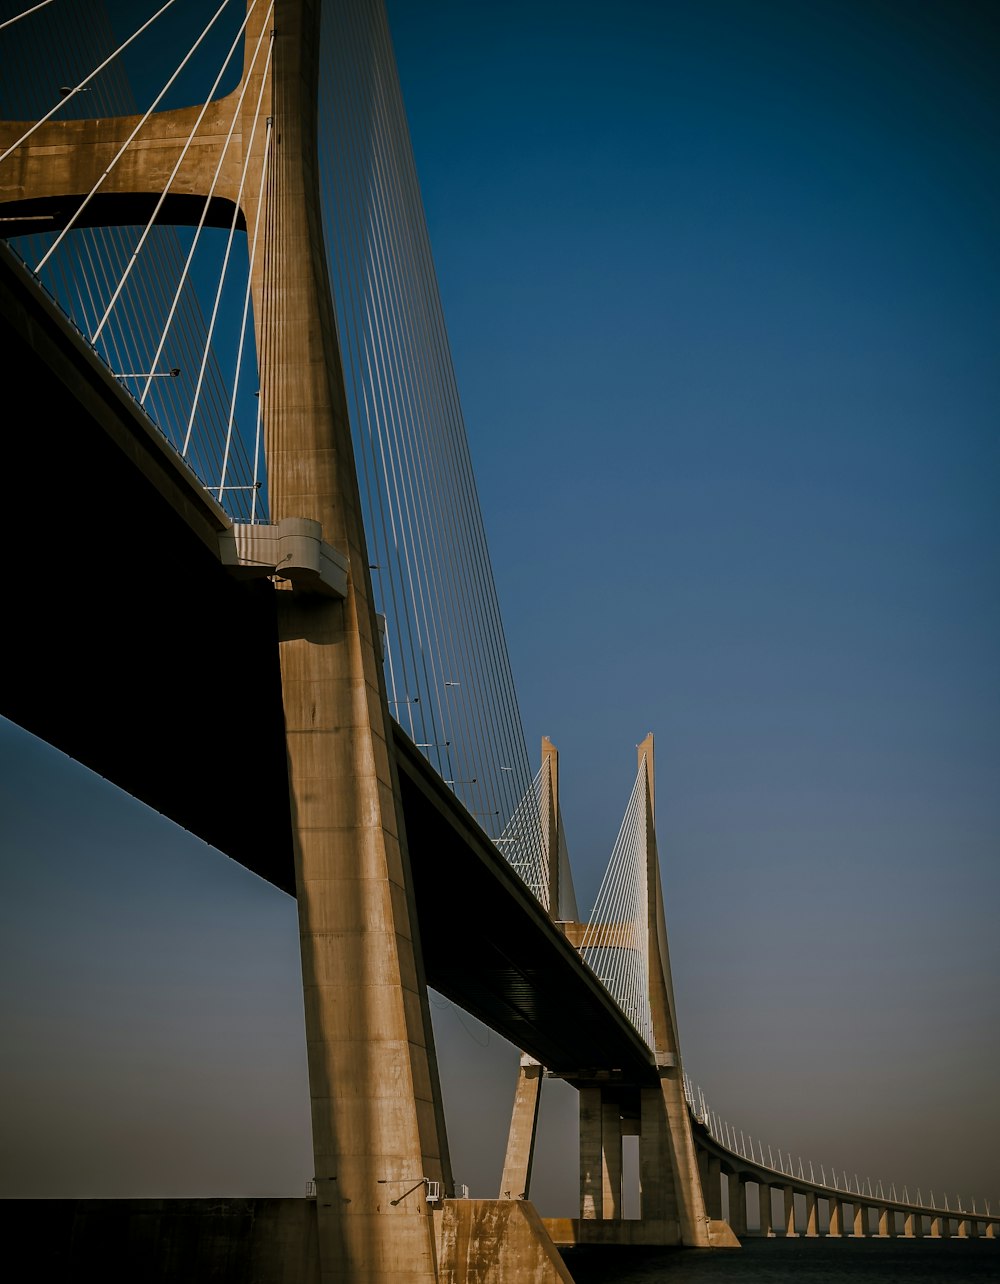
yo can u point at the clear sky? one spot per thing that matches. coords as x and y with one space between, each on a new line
721 281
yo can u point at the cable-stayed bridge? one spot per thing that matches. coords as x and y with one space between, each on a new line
307 555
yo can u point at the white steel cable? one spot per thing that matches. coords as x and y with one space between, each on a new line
9 22
132 136
401 316
246 310
616 940
445 386
345 270
225 261
224 151
86 80
176 169
520 840
66 43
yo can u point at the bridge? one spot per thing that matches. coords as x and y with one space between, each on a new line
370 785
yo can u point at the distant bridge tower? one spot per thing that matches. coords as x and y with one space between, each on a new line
629 951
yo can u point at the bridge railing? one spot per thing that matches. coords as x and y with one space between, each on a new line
743 1156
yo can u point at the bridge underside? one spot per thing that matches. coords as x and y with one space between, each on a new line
133 650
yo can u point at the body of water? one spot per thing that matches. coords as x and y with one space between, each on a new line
795 1261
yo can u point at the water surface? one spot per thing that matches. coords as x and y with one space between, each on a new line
795 1261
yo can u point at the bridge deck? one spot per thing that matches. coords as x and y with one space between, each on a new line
166 682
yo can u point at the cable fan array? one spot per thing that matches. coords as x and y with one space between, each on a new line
447 670
527 840
616 941
136 292
168 308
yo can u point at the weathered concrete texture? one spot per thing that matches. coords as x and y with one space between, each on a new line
495 1241
516 1179
378 1122
721 1234
166 1241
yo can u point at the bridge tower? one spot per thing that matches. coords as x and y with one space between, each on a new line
378 1129
668 1167
673 1203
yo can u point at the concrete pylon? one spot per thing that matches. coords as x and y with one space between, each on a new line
377 1121
668 1165
515 1182
550 821
377 1117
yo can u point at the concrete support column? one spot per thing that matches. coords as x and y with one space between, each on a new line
713 1190
812 1219
703 1172
377 1121
974 1228
679 1157
591 1155
886 1223
611 1159
935 1227
908 1220
946 1228
764 1209
860 1220
516 1179
737 1205
789 1194
991 1230
836 1217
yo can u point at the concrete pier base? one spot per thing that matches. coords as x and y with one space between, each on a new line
493 1241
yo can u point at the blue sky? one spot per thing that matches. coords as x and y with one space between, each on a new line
721 286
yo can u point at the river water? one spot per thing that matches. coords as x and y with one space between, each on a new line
795 1261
